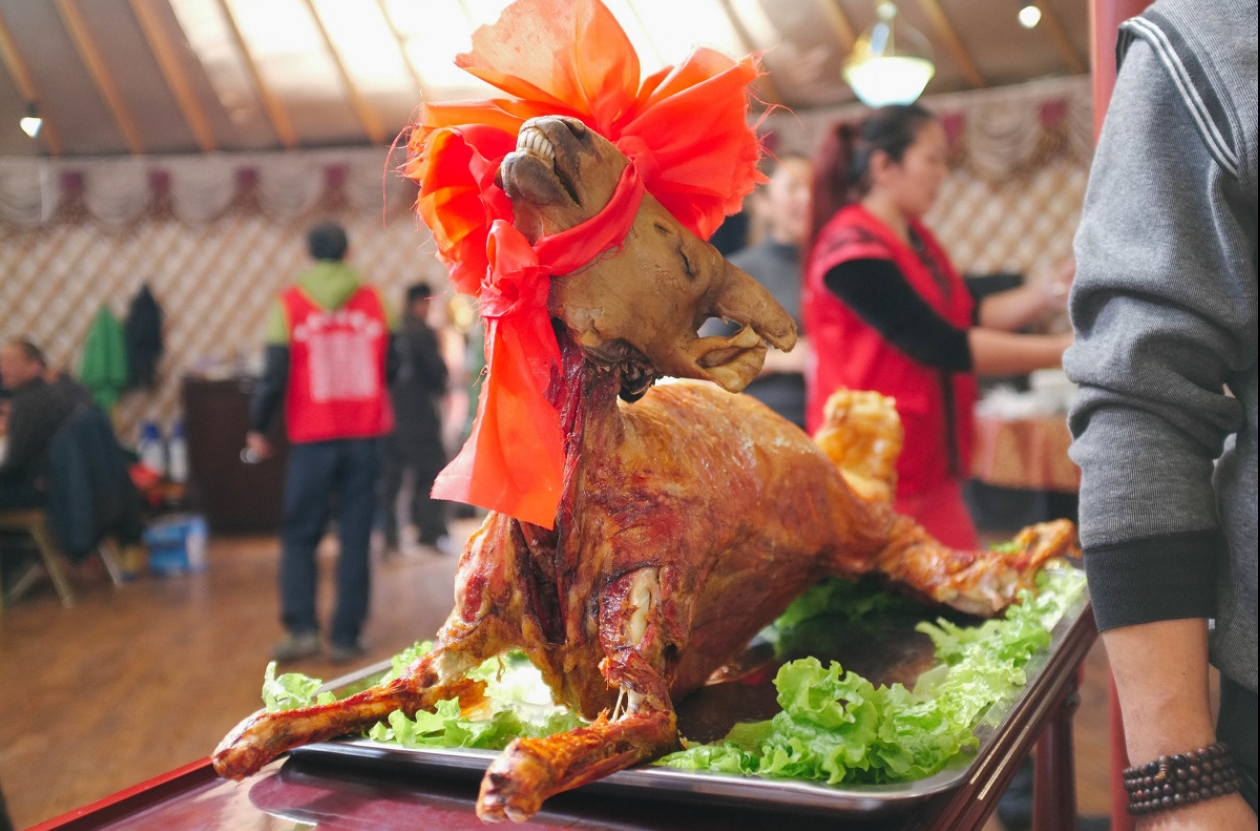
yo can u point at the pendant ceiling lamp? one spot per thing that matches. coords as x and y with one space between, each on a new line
891 62
31 122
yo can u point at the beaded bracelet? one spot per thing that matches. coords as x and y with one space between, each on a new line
1184 779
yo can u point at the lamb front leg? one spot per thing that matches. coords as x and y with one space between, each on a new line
263 736
531 770
481 625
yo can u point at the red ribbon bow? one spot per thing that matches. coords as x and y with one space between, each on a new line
685 129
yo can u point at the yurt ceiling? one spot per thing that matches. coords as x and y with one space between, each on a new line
118 77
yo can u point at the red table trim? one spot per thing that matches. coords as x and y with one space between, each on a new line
133 799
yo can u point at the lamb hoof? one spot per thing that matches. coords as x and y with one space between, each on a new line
243 752
514 786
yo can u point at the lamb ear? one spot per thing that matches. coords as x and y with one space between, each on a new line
745 301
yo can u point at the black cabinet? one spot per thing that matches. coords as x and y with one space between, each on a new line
236 496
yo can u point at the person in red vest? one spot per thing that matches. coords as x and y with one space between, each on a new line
885 310
328 359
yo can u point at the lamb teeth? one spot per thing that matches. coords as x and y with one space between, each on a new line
534 142
543 147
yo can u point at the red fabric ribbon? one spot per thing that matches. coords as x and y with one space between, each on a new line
686 130
514 417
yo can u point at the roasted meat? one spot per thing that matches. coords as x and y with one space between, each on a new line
690 518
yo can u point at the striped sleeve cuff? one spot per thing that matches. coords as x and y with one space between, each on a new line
1161 578
1208 111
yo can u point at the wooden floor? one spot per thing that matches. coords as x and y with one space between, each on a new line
135 681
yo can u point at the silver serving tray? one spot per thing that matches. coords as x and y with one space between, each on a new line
643 780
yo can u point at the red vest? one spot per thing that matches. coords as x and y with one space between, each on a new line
337 386
848 352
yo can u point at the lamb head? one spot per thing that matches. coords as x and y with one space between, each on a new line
637 306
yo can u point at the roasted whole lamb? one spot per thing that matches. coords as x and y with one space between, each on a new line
689 519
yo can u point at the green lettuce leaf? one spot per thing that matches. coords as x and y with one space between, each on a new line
834 726
291 690
520 704
832 611
837 727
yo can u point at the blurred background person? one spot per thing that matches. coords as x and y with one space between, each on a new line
327 357
780 208
34 409
31 410
885 310
37 403
415 450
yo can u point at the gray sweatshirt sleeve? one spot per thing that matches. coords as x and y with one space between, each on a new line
1164 307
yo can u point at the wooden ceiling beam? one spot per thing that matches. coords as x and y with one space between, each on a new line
764 82
839 22
468 15
1054 27
945 30
174 75
81 35
368 118
401 40
271 105
12 60
16 66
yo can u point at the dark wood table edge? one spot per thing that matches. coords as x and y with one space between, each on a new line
1045 721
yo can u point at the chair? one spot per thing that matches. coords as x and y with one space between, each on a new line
34 521
91 501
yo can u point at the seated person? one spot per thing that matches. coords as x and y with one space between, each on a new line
30 415
35 408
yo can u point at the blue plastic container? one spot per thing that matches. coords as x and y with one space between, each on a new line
177 544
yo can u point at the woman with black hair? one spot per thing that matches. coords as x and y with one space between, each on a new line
885 309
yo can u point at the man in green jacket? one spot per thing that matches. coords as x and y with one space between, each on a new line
328 343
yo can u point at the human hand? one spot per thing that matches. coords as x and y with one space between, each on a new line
1059 344
257 446
1056 284
780 362
1225 813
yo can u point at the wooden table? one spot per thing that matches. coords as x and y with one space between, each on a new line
1025 453
334 799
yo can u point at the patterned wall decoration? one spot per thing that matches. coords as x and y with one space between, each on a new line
213 280
214 238
1022 225
1020 161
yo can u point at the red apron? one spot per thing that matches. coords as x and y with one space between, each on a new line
337 384
935 405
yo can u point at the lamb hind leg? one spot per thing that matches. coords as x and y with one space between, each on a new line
977 582
862 435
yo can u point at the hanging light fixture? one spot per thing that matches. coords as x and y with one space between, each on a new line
31 122
1029 15
889 64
